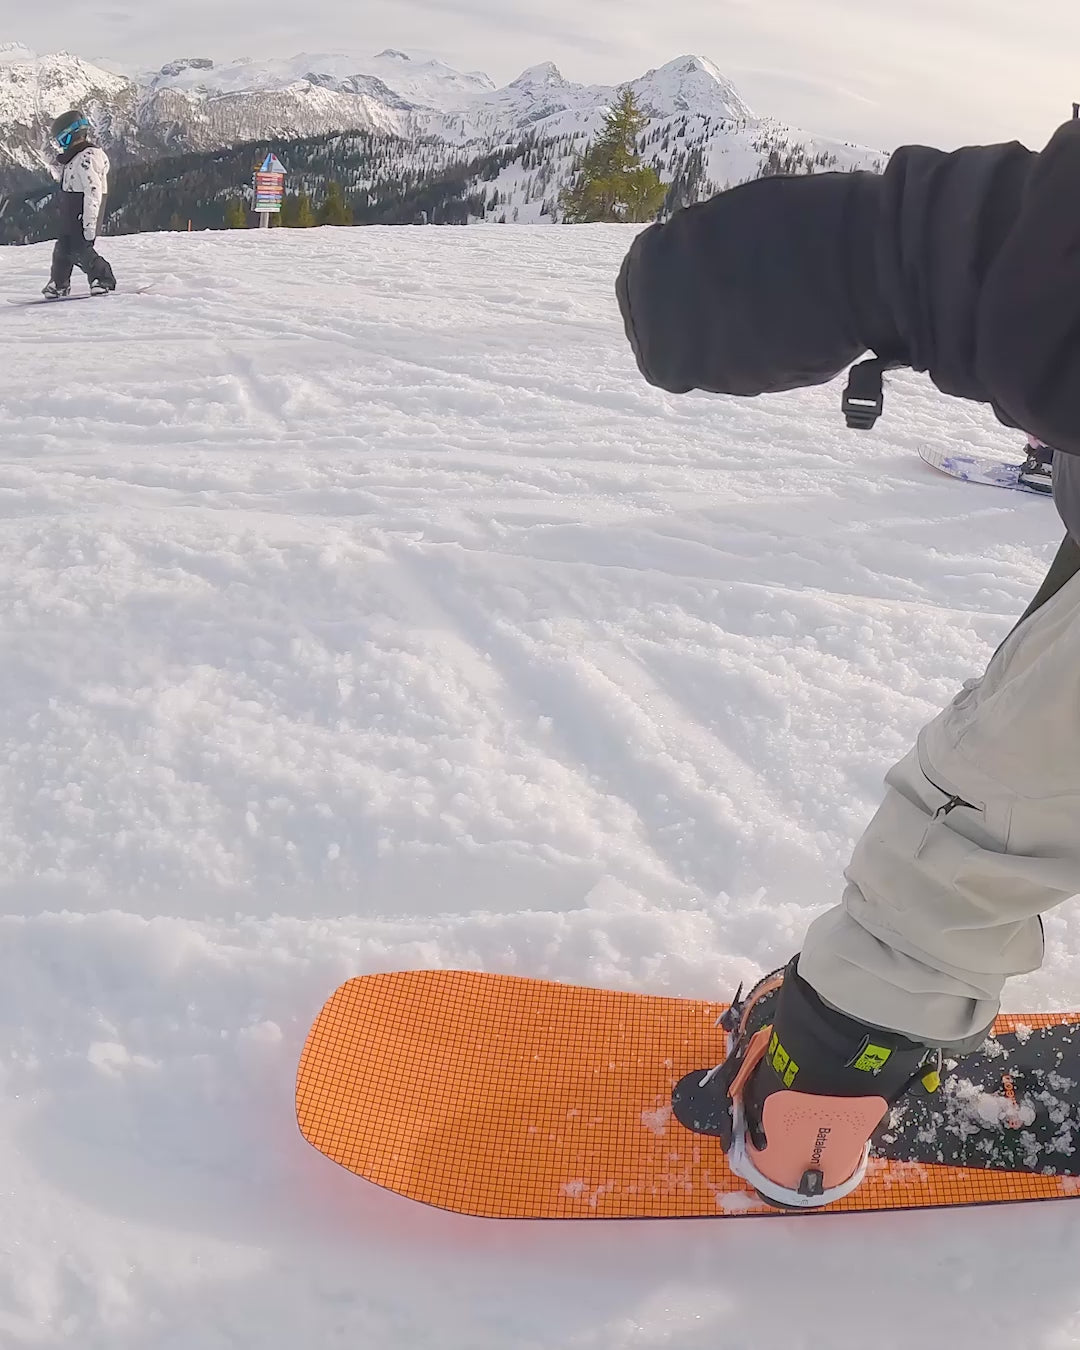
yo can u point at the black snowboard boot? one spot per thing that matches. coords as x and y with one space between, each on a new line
807 1088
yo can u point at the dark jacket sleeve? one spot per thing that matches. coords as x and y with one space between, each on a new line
943 220
1028 324
965 265
751 292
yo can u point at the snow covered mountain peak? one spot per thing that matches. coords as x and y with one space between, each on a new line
542 94
546 73
689 84
34 89
691 65
426 81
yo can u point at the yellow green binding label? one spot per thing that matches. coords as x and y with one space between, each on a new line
782 1062
873 1058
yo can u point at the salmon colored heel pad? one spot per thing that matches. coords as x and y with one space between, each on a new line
826 1133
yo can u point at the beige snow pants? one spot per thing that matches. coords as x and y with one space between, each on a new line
978 834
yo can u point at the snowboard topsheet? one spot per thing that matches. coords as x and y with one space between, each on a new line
504 1097
978 469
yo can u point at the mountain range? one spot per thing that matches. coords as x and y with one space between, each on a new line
698 122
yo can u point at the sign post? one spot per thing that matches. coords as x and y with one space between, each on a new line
269 189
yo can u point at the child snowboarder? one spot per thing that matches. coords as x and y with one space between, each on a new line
84 183
966 266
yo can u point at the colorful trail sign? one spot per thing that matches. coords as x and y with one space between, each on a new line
269 188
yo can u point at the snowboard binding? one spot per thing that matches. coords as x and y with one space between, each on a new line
1037 471
802 1090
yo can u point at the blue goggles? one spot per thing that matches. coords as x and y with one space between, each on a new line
65 137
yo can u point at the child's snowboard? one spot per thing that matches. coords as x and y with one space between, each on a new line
513 1098
978 469
78 295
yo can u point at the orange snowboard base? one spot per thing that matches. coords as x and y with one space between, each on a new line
513 1098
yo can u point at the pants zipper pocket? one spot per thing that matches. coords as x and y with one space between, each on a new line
951 805
953 799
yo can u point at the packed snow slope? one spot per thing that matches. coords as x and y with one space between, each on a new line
362 609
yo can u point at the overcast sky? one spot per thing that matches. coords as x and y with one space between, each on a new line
876 71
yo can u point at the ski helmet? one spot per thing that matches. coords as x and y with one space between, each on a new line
70 127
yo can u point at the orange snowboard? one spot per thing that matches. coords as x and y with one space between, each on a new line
512 1098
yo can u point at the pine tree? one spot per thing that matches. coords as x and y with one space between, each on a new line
175 221
612 183
334 210
289 210
236 214
305 216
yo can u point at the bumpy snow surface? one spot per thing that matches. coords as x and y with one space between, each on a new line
362 609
